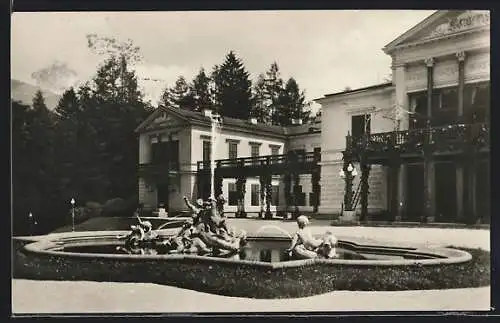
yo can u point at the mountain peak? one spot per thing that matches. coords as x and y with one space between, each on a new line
24 93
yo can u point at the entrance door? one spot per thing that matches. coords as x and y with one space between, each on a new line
446 192
414 192
163 196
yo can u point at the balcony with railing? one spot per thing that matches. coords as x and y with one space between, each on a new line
449 138
159 168
269 162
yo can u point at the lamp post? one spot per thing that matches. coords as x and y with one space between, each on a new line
31 221
72 214
348 174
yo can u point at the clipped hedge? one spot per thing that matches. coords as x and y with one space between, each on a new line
242 280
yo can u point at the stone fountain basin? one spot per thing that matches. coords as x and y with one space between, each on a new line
35 258
45 248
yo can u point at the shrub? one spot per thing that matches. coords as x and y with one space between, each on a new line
118 207
93 209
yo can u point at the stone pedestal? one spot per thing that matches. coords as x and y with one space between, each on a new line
348 217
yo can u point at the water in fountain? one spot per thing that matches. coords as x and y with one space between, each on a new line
216 123
171 223
272 226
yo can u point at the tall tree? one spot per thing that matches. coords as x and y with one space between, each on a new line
232 88
201 91
120 110
68 145
273 92
22 168
260 104
292 104
68 106
180 96
117 109
39 149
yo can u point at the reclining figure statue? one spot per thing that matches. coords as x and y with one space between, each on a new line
140 235
305 246
210 229
206 232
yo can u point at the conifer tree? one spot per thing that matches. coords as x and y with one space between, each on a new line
292 104
273 92
232 88
260 103
201 91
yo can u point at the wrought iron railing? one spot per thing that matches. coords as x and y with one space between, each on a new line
264 161
449 137
159 167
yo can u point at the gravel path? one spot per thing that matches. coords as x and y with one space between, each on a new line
95 297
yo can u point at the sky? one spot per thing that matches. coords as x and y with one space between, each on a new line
324 50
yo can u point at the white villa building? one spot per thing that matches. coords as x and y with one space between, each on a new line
440 91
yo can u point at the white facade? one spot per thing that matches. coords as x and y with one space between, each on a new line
165 126
442 39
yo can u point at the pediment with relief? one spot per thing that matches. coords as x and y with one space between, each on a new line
442 24
163 120
465 21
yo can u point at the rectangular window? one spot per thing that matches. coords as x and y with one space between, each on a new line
233 150
275 192
255 150
449 99
317 153
255 196
360 124
313 198
477 102
301 197
275 151
207 147
419 109
232 194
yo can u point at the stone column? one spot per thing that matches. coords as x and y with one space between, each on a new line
394 192
287 179
399 80
218 185
461 83
240 188
269 195
460 115
401 191
144 149
315 178
262 196
296 184
429 174
430 83
365 187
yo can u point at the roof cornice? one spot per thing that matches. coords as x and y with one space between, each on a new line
388 49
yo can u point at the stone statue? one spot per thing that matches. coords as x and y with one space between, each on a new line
205 232
305 246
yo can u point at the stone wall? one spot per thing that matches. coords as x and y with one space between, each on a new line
332 189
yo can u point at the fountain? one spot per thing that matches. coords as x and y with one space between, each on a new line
216 124
206 244
206 253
